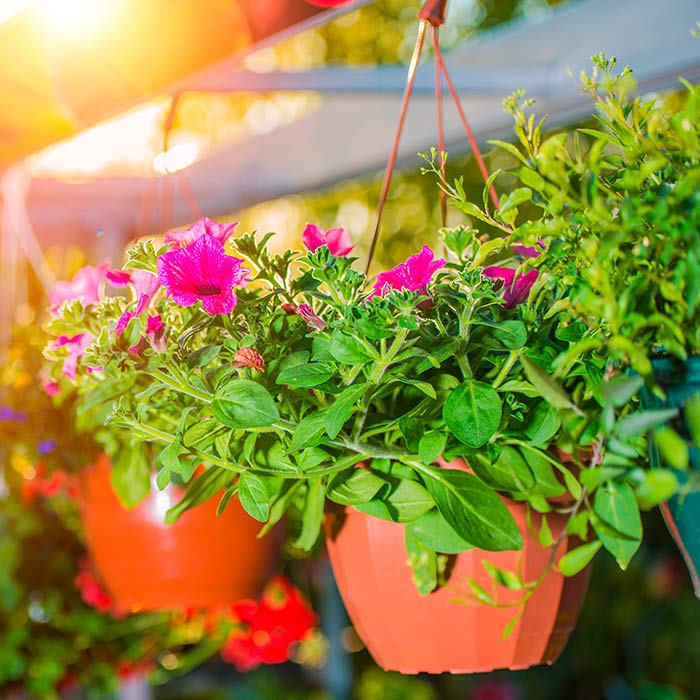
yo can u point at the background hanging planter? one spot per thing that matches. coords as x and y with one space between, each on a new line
680 382
410 633
202 559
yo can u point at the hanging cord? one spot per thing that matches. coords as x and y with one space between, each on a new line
408 91
433 13
442 156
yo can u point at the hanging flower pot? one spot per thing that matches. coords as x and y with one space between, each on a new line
410 633
203 559
680 381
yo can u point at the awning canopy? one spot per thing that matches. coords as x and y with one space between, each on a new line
351 132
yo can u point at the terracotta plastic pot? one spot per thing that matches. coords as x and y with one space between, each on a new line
410 633
680 380
201 560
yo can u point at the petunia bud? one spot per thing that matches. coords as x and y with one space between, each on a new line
249 357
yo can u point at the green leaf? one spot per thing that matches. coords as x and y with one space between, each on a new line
655 486
509 472
227 495
342 407
163 478
593 477
623 548
347 349
312 515
672 447
546 482
547 387
201 434
412 431
305 375
131 475
545 534
473 510
512 334
424 387
244 404
431 446
615 504
577 559
309 432
502 577
543 424
436 534
253 496
473 413
203 356
199 490
519 387
408 501
354 486
620 390
514 199
423 563
692 418
639 423
169 457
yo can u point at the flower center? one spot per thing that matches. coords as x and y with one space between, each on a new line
208 289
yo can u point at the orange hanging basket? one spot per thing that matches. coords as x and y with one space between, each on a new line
201 560
410 633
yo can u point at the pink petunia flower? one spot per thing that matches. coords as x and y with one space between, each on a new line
155 332
76 345
118 278
86 285
204 226
413 275
202 271
515 290
311 317
144 282
337 240
124 319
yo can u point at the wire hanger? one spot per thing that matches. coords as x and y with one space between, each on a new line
432 14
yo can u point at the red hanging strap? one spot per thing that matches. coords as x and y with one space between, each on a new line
433 13
408 91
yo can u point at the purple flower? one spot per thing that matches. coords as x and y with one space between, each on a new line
515 290
413 275
43 447
337 240
203 271
9 415
205 226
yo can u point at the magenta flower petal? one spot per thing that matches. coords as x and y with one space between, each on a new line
413 275
529 251
202 271
118 278
204 226
515 289
144 282
337 240
124 319
76 346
